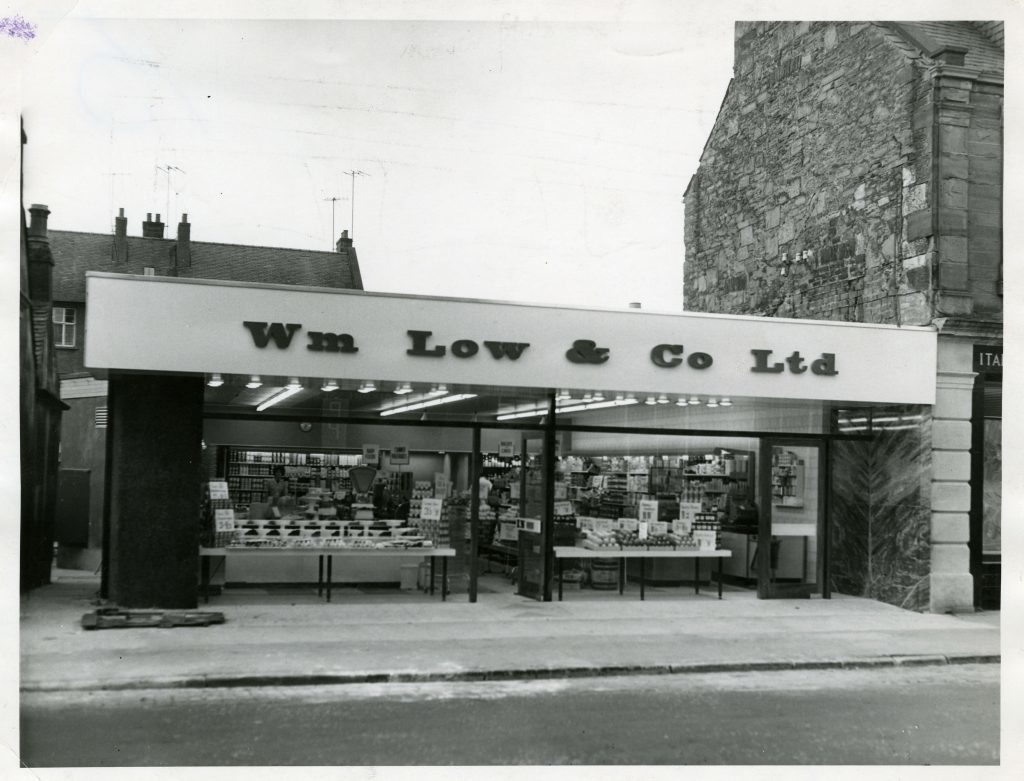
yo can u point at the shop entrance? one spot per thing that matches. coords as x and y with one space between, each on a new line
791 536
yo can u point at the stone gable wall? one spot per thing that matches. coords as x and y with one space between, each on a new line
819 154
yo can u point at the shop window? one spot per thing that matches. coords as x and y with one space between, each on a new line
65 327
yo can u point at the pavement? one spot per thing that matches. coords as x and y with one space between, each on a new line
291 637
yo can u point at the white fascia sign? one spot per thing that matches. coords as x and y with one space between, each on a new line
163 324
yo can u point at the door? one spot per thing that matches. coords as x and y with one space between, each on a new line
792 509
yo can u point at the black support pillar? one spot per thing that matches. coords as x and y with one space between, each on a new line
547 525
155 475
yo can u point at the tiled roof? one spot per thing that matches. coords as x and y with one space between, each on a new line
983 52
75 253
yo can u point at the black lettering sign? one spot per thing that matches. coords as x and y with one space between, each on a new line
465 348
658 355
761 363
824 366
419 345
988 360
587 351
281 333
510 350
699 360
331 343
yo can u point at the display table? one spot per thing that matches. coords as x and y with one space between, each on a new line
328 553
567 552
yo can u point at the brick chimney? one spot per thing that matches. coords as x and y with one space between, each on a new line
183 255
344 242
152 229
40 259
351 260
120 237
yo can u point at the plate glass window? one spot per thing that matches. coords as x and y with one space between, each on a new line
64 326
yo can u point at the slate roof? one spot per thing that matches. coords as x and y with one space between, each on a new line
983 50
75 253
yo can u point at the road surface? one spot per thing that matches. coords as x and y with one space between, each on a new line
917 715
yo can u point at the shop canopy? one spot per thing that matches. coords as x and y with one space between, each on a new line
186 326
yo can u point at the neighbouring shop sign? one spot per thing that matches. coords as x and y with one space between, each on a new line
988 360
243 328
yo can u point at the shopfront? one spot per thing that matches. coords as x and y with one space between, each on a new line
507 432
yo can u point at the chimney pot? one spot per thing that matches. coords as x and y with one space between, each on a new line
37 223
344 242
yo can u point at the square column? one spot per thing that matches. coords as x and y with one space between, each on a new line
952 585
155 472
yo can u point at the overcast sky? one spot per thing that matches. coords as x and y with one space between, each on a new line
528 160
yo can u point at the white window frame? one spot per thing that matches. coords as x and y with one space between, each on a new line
65 332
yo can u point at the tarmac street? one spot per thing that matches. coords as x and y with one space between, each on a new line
933 715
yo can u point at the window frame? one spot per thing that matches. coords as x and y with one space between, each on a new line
62 328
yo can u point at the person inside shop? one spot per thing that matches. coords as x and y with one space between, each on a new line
276 489
485 488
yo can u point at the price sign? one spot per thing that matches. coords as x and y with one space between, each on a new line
219 489
400 454
430 509
629 524
642 530
561 490
659 527
506 449
648 510
602 524
688 510
682 526
705 539
224 520
441 485
371 454
563 508
586 523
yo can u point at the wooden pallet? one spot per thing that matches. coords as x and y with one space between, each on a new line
116 618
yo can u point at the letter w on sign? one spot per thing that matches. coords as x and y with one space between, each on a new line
281 333
512 350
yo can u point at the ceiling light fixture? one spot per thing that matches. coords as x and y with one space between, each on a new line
425 404
403 388
579 407
215 380
681 402
329 385
367 387
650 401
254 382
694 400
287 392
712 402
725 402
598 396
663 399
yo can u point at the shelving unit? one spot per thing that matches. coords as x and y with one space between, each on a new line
247 470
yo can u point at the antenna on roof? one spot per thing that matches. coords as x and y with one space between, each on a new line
166 169
333 199
352 222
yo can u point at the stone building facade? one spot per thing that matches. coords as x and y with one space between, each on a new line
854 173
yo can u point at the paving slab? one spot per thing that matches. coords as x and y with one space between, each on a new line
273 637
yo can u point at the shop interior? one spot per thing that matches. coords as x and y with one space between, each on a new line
313 463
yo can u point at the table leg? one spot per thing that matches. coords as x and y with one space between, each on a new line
330 561
560 564
430 588
444 578
320 576
643 575
696 574
720 559
204 568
